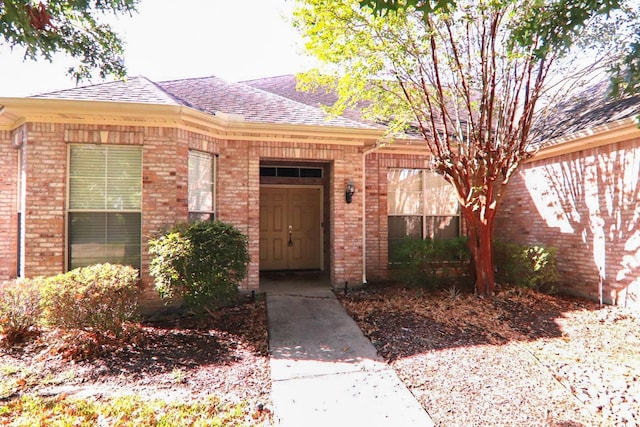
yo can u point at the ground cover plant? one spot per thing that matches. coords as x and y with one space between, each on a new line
520 358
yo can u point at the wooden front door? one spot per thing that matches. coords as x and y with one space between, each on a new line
290 228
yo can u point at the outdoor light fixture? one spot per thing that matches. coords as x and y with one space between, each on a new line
348 193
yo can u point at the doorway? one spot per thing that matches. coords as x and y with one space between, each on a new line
290 227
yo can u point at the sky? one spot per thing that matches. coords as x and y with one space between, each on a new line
170 39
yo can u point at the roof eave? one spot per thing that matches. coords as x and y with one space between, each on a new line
613 132
17 111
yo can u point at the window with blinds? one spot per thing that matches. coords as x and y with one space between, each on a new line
104 205
201 186
420 205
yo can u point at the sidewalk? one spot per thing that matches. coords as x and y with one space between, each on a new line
324 371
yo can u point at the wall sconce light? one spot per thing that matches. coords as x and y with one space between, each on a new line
350 190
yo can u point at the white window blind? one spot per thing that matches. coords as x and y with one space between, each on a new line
105 200
421 204
439 196
105 178
404 196
201 183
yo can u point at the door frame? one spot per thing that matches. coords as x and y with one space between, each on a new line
322 224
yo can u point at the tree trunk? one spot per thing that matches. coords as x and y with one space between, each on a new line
480 223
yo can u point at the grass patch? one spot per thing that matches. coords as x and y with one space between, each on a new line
125 411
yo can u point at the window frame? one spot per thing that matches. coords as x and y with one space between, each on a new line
106 211
425 217
202 214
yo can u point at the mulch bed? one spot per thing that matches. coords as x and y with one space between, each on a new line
520 358
177 358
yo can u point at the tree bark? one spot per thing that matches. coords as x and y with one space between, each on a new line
480 244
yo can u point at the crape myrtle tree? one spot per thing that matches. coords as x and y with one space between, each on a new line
72 27
624 70
468 75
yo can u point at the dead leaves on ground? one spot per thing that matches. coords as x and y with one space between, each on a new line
520 357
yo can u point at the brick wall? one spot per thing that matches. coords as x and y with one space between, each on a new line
45 163
586 205
164 199
165 153
377 166
8 206
239 192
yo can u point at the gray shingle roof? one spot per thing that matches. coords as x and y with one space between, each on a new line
210 95
587 109
286 86
134 89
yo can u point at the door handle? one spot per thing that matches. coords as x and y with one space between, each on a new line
290 243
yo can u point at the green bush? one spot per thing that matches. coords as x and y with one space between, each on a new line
20 311
201 262
431 263
102 297
531 267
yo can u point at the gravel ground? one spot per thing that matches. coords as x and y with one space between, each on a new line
519 359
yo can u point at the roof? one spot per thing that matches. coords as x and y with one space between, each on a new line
287 86
276 100
587 109
134 89
210 95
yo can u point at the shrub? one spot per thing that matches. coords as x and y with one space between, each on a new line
201 262
532 267
20 311
102 297
433 263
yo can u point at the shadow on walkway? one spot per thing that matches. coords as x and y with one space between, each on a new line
324 371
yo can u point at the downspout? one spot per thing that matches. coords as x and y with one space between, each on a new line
364 210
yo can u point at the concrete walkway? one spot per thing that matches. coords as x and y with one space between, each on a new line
324 371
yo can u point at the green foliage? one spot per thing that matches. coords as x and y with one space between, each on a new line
202 262
531 267
546 26
625 75
382 7
102 297
431 263
466 74
72 27
124 411
20 311
552 26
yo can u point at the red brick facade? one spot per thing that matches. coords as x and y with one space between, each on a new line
44 147
8 205
586 204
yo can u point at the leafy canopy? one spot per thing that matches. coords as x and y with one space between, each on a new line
72 27
564 19
468 77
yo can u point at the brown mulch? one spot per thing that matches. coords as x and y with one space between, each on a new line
518 359
177 358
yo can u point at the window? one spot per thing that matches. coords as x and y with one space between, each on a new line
421 204
104 205
201 186
290 172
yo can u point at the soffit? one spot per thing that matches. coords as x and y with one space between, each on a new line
17 111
